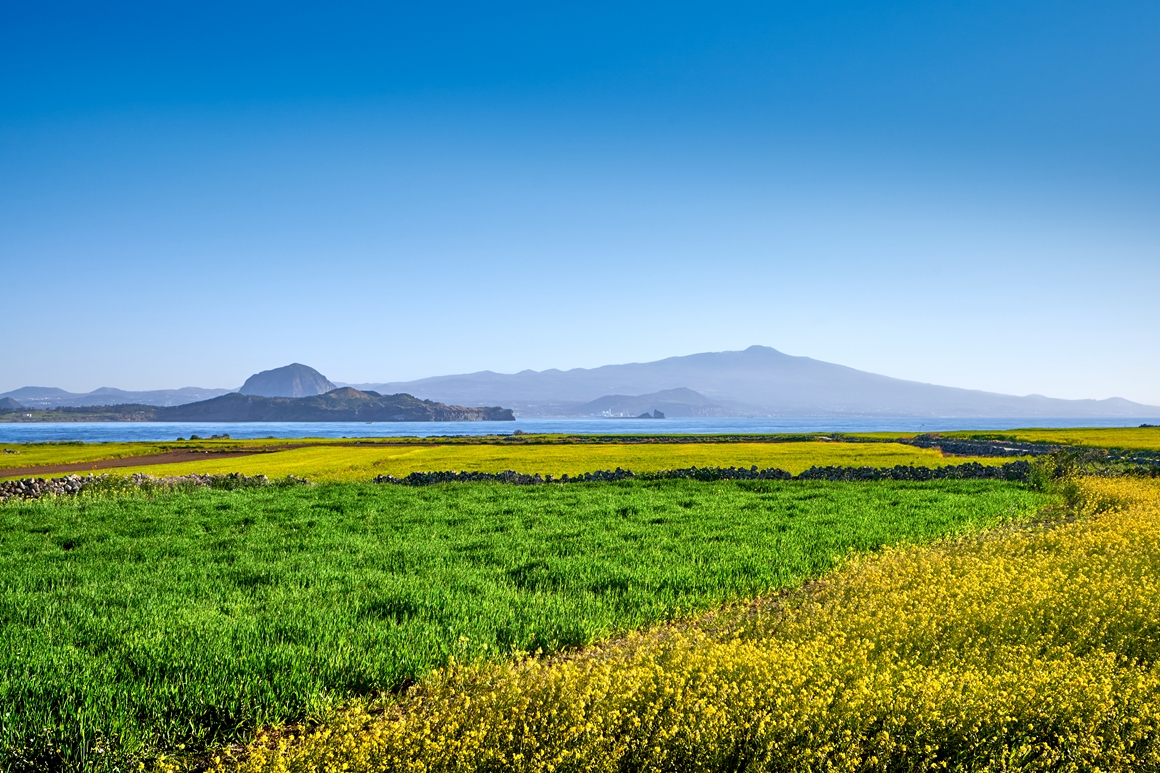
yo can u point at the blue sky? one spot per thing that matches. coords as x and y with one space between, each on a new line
960 193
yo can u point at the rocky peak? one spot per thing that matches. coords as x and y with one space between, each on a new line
294 380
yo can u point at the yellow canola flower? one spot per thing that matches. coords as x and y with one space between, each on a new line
1026 650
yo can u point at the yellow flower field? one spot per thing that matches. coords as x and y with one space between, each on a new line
1031 649
31 454
1134 438
353 463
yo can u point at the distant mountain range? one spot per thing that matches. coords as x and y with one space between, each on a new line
674 403
758 381
294 380
51 397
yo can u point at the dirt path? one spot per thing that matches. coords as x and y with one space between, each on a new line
169 457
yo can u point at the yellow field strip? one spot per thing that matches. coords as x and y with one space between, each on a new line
1135 438
32 454
363 463
488 453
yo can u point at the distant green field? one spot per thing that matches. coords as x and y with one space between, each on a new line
354 463
139 623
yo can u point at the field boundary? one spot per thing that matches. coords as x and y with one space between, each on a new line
1013 471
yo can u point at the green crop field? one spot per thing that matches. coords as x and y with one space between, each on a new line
140 623
355 463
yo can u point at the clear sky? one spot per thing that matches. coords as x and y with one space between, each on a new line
962 193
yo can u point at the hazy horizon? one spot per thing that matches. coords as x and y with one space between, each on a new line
958 195
379 382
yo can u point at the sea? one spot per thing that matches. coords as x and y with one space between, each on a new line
104 432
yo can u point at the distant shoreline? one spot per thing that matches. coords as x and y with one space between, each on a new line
56 419
343 404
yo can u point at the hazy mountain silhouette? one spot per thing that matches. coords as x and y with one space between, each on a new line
293 380
673 403
756 381
51 397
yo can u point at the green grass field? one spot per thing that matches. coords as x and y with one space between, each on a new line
142 623
361 463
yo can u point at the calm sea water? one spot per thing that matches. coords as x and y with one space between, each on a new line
95 432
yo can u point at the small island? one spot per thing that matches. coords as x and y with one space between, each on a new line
342 404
